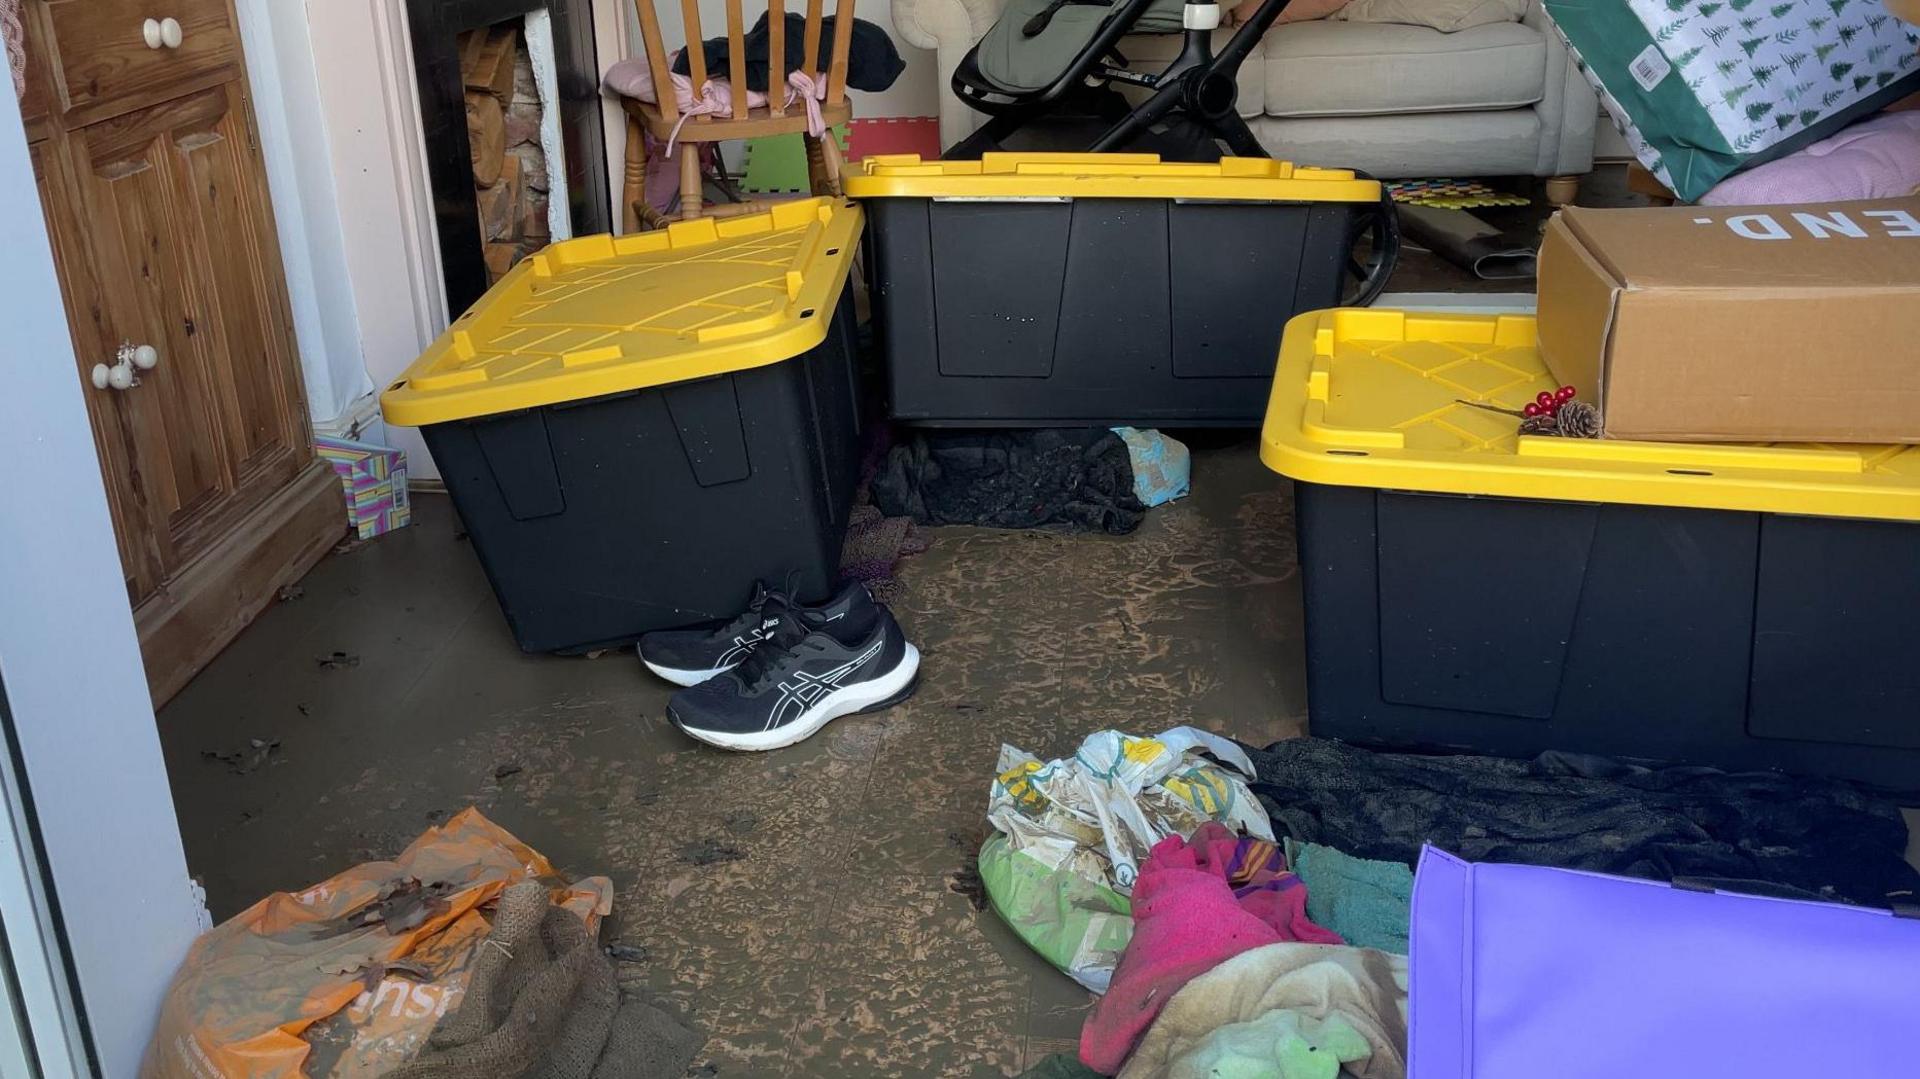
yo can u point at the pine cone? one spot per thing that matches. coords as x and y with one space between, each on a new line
1539 425
1578 419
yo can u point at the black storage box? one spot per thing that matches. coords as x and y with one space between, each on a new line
1096 289
1735 606
714 440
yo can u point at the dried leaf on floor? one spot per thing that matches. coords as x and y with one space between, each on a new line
966 881
506 771
242 761
627 953
710 852
403 905
336 661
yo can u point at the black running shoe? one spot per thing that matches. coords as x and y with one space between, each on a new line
794 683
688 657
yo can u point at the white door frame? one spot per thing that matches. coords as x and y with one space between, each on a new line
339 115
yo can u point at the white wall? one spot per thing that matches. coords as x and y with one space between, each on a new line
915 93
70 663
340 116
377 161
294 145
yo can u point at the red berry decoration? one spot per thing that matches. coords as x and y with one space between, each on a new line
1531 410
1566 393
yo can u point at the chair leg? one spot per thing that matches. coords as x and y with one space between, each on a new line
634 190
816 164
691 181
1561 190
834 165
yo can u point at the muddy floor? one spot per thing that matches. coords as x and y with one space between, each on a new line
810 908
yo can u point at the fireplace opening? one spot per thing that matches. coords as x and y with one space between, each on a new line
509 139
510 112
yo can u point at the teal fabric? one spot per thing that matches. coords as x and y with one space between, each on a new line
1060 1066
1368 903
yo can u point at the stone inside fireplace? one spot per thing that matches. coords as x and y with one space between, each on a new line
505 131
511 117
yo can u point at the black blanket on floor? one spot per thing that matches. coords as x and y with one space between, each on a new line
1071 480
1820 838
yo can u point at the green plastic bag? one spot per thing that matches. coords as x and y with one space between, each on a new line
1077 924
1071 834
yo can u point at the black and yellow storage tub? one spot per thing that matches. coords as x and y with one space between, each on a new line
1093 289
1467 588
634 429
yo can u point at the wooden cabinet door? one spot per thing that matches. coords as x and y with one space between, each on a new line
241 321
103 64
129 195
113 433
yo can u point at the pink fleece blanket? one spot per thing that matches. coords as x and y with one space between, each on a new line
633 78
1197 903
1874 159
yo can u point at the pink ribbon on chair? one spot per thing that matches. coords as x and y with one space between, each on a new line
716 99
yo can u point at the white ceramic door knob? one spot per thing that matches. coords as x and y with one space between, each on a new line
150 31
102 376
146 357
170 32
120 376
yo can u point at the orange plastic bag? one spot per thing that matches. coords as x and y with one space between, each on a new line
305 985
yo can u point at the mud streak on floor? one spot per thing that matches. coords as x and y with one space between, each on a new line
802 905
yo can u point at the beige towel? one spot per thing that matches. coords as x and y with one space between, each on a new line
1367 988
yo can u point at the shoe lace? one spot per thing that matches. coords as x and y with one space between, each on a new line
756 611
771 658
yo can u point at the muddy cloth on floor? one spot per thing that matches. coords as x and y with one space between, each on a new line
873 549
1291 1011
543 1003
1368 902
1823 838
872 61
1060 1066
1076 481
1196 904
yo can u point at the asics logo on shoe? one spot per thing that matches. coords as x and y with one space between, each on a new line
744 644
803 689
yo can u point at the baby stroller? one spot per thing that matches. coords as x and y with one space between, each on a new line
1048 57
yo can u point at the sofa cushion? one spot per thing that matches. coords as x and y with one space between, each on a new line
1371 69
1505 143
1447 15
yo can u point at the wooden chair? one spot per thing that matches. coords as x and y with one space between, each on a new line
775 118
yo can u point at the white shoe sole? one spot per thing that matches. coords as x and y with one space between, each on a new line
888 689
683 678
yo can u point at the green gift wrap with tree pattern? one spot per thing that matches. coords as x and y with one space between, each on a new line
1704 88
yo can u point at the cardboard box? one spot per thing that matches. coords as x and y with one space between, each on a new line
1728 324
375 480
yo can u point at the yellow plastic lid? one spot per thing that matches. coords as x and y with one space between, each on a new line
607 314
1104 176
1371 398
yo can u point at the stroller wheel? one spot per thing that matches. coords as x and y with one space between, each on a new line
1369 266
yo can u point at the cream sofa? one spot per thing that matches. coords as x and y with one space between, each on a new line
1398 101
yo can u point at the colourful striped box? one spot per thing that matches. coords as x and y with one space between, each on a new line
375 480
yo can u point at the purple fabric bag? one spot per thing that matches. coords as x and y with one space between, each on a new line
1522 972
